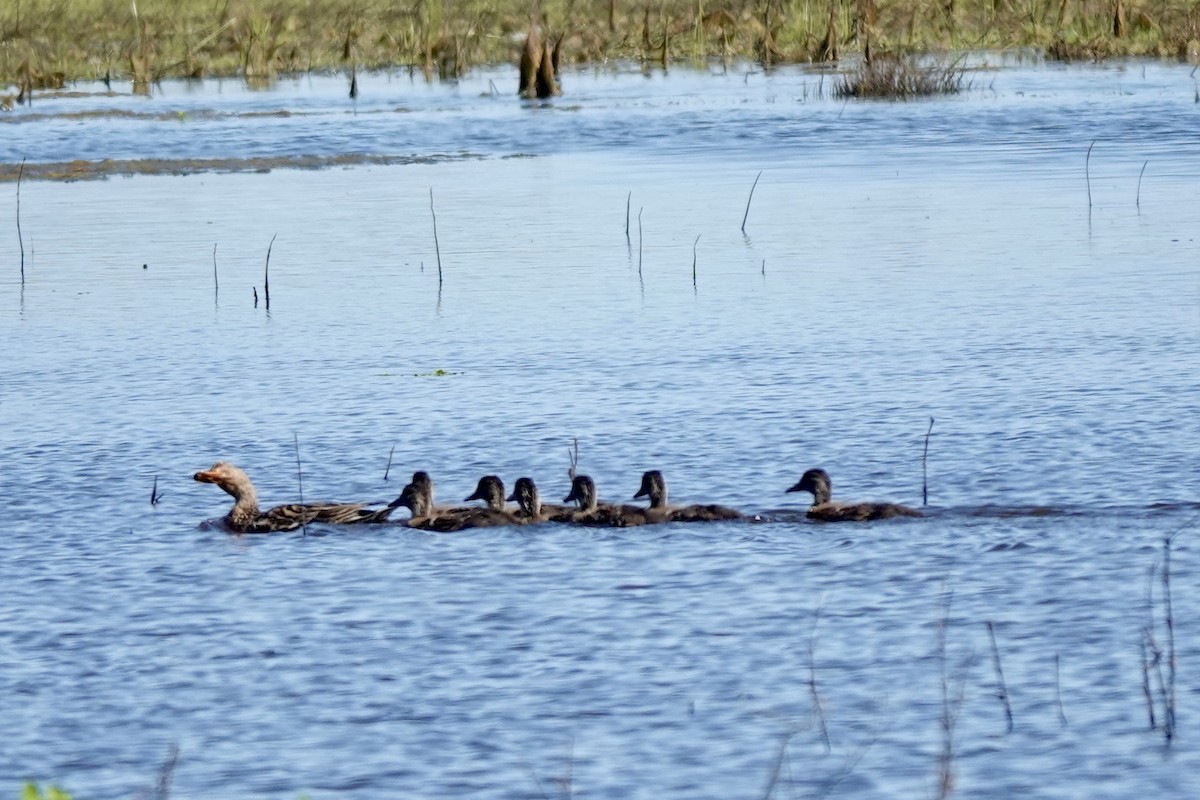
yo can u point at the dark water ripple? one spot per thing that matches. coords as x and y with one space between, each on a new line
900 262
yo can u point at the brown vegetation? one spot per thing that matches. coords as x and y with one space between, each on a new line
156 39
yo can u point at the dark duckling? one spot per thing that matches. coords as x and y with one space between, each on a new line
654 486
525 494
592 513
816 481
490 490
417 497
245 516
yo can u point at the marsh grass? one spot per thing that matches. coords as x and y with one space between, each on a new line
900 78
48 41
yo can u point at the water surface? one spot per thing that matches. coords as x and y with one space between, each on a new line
900 262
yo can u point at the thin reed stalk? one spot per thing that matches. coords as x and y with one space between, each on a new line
812 677
216 283
154 495
746 216
1062 717
1139 187
300 482
267 274
1001 686
694 260
20 239
1169 694
640 241
1087 172
628 200
388 468
437 248
925 466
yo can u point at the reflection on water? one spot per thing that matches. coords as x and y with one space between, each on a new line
899 262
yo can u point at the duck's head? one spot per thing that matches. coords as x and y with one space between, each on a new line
816 482
230 478
654 486
491 491
416 496
525 494
583 492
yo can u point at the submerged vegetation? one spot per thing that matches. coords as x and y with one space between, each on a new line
44 43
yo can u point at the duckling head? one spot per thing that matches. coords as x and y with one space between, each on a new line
490 490
525 494
654 486
583 491
815 481
415 497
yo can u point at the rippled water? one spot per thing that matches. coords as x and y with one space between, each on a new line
900 262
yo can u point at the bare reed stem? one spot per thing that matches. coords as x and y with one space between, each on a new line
154 495
777 765
436 247
1169 710
388 468
812 678
640 241
300 482
1002 687
1139 189
267 274
1087 171
694 260
1143 647
216 283
1062 718
628 200
925 466
748 199
573 454
20 239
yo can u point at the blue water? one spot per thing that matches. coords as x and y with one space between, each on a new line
900 262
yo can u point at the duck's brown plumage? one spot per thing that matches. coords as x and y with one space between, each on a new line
596 514
654 487
526 496
490 490
816 482
246 517
417 497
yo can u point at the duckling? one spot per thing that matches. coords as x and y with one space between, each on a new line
490 489
823 508
583 492
525 494
654 486
417 497
245 516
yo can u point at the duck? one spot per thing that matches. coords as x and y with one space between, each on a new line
417 497
525 495
816 481
654 487
594 514
246 517
490 490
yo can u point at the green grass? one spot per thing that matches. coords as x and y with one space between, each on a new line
43 42
34 792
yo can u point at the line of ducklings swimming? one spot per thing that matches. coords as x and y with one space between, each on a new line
417 497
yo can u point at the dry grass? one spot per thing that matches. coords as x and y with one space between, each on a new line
899 78
47 41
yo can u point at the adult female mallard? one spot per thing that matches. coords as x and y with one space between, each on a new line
595 514
417 497
816 481
245 516
654 486
525 494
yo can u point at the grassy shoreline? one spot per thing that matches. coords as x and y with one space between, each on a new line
44 43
